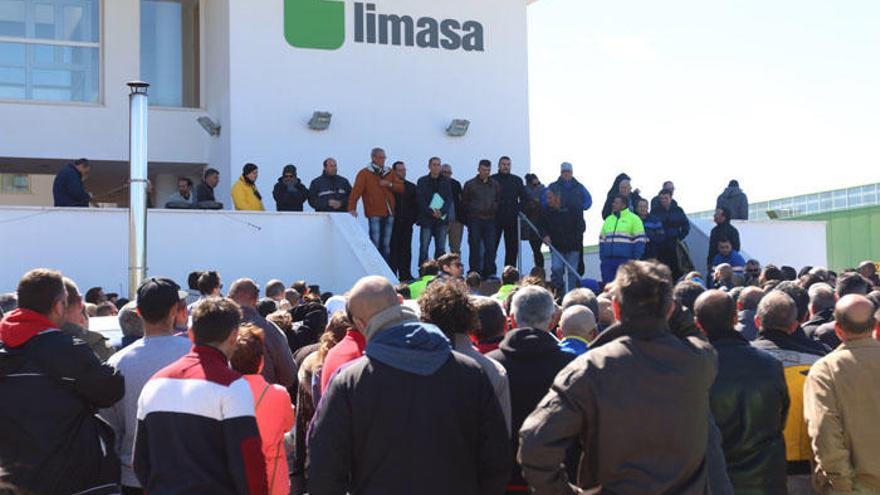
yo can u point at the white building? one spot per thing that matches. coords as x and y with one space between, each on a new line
393 73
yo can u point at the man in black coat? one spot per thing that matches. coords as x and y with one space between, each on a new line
532 358
406 212
410 416
68 189
457 217
749 400
676 227
433 221
50 439
290 194
329 191
513 197
722 230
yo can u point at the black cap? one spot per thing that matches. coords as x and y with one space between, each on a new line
158 295
289 169
733 183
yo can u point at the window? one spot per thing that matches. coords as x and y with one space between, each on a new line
170 51
15 184
50 50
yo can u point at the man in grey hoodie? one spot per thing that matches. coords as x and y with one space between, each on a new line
735 200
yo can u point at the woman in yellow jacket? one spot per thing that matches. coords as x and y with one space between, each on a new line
245 195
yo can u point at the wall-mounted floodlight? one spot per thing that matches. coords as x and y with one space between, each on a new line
211 127
320 121
458 128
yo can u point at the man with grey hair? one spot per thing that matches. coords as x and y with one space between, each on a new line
411 415
8 302
842 404
278 364
777 320
531 356
578 325
746 306
822 302
581 297
130 323
377 185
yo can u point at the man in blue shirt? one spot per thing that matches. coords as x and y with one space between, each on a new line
726 254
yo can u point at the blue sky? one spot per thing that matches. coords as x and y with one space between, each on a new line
783 95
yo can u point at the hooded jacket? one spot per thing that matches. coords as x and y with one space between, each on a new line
50 439
68 190
290 198
326 187
246 197
734 199
411 416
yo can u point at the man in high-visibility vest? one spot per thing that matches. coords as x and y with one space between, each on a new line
622 239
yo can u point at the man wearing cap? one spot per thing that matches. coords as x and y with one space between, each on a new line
160 303
290 194
562 222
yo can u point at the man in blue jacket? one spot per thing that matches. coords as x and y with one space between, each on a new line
68 189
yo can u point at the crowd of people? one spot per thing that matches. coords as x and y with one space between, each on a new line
491 207
650 384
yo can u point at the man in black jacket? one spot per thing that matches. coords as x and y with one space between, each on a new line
513 197
532 358
480 200
434 195
410 416
68 187
749 400
722 230
51 384
329 191
205 189
406 212
290 194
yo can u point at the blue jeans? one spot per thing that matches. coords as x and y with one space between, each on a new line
438 232
557 269
481 242
380 235
609 268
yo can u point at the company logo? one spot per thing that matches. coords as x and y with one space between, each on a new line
320 24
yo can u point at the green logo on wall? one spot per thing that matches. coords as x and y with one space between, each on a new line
314 23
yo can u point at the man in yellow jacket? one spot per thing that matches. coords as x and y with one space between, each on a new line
245 195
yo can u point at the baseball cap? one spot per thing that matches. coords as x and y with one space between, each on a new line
158 295
565 167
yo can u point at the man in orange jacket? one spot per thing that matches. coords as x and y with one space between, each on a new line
377 185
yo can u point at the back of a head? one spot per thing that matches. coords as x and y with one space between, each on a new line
532 307
581 297
771 272
686 293
578 321
606 312
214 319
370 296
404 290
777 311
429 267
93 295
248 353
491 317
510 275
798 295
106 308
448 259
266 307
448 305
73 294
274 289
282 319
300 286
8 302
130 322
473 280
715 312
208 282
749 299
337 327
852 283
244 290
40 289
821 297
192 280
643 291
788 272
854 314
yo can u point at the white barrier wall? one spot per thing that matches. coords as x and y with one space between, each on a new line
91 246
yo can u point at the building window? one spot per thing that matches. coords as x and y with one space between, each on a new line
15 184
170 51
50 50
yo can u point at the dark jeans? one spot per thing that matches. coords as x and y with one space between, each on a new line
380 234
511 242
401 250
536 251
481 242
128 490
437 231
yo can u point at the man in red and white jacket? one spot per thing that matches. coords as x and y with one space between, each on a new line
196 428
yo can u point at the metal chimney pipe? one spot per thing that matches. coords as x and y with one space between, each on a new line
137 209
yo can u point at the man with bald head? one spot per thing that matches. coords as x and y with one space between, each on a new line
411 415
842 404
278 364
749 400
578 325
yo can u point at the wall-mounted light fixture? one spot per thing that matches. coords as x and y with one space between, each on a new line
211 127
320 121
458 127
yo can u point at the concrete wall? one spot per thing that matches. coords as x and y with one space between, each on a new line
91 246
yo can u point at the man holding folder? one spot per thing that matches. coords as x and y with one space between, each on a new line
434 196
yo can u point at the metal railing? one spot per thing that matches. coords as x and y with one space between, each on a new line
567 268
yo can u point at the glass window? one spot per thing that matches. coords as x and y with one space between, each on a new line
50 51
15 183
170 51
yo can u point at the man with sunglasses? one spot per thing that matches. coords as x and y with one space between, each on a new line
290 194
